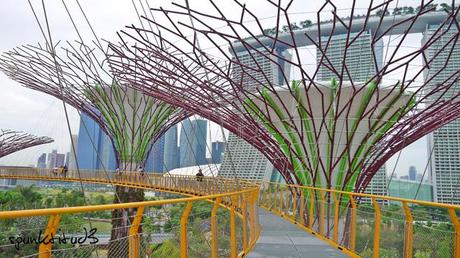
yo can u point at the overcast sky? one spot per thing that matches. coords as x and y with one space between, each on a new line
26 110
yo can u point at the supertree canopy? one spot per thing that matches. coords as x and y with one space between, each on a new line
12 141
330 119
78 75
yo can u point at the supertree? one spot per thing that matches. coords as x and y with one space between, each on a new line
77 74
334 126
12 141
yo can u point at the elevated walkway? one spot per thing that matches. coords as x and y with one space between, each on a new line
297 221
280 238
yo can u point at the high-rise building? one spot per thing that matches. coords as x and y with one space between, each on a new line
171 150
444 143
55 159
193 142
155 160
359 58
94 149
67 157
241 159
412 173
361 67
271 74
217 152
71 156
41 162
379 183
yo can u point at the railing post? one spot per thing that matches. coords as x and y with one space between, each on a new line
45 249
234 200
246 198
183 231
281 201
377 229
336 217
353 223
310 217
302 207
321 213
269 195
263 192
454 218
294 203
408 232
134 233
214 238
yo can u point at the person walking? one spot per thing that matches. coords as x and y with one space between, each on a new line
199 175
64 171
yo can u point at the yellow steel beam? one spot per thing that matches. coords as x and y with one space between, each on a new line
214 238
376 246
134 233
294 203
321 213
302 207
336 217
183 231
454 218
233 228
245 200
353 224
311 208
46 246
408 232
281 201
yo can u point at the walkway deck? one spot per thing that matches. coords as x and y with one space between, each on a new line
280 238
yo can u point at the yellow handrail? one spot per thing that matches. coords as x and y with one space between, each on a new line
320 214
204 189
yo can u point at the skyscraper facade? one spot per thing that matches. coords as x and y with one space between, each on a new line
444 143
41 162
155 160
361 67
94 148
412 173
171 150
72 159
55 159
379 183
241 159
193 142
217 152
359 58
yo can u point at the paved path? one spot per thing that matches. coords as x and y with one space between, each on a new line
281 238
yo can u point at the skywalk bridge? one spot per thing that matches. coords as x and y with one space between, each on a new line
351 224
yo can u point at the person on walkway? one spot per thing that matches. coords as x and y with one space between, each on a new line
140 169
64 171
199 175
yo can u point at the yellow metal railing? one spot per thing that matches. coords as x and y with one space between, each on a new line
187 185
357 224
239 203
339 218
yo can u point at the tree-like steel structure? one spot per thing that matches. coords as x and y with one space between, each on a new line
78 75
12 141
333 132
